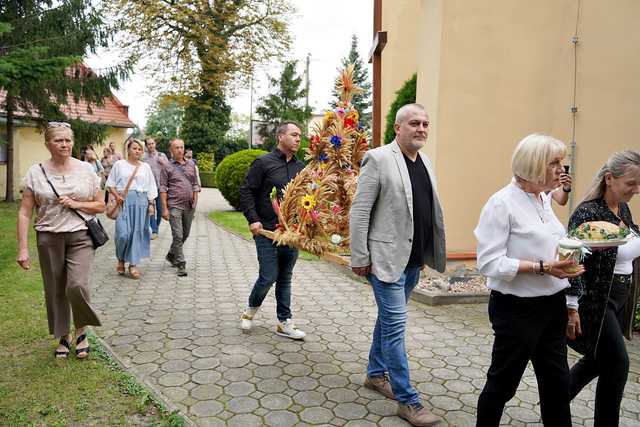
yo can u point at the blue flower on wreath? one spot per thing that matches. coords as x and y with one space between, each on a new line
336 141
323 157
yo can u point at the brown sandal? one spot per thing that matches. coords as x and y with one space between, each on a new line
134 273
120 267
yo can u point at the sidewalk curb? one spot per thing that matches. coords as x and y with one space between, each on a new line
171 407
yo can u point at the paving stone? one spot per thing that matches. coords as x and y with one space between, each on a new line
173 379
309 398
272 386
175 366
239 389
206 408
333 381
342 395
316 415
245 420
385 408
350 411
242 404
206 377
281 419
275 401
206 363
146 357
206 392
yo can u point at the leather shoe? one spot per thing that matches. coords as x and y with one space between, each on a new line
381 385
417 415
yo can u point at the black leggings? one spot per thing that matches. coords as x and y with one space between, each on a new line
527 329
610 364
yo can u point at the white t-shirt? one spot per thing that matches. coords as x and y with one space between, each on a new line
513 226
626 254
143 182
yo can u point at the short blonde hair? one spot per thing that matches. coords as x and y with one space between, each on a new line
533 155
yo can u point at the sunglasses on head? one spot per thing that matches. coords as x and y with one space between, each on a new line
58 124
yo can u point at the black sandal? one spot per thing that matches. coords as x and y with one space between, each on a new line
82 353
63 354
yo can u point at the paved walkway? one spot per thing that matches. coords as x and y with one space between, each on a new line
182 336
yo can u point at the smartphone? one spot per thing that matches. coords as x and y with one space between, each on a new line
566 169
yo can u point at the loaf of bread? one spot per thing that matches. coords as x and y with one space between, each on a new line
598 230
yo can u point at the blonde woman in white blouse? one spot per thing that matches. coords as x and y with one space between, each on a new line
65 249
518 235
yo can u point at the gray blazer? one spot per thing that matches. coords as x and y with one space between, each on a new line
381 219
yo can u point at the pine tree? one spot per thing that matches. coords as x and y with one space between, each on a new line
286 103
41 48
362 101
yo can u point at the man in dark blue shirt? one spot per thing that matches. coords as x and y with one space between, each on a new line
273 170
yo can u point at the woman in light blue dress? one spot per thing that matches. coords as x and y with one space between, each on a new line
132 237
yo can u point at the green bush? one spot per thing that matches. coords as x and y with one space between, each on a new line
208 179
205 162
636 321
406 95
230 174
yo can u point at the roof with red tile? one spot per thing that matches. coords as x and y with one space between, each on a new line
112 113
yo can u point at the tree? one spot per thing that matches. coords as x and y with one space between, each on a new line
205 123
41 47
164 120
199 47
406 95
361 101
285 103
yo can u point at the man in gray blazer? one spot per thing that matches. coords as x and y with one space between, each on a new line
396 229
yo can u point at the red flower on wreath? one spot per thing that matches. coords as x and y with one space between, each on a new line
349 122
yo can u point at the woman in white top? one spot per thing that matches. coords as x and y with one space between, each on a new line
601 309
133 235
518 235
65 249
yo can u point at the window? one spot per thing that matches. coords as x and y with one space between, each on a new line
3 148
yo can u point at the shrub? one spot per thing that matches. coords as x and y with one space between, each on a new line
208 179
230 174
636 320
205 162
406 95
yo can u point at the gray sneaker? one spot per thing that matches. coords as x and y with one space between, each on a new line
182 272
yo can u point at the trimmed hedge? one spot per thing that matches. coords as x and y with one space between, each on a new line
208 179
406 95
231 172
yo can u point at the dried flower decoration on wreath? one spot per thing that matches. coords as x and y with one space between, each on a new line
314 210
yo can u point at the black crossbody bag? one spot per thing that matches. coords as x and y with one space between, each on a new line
95 229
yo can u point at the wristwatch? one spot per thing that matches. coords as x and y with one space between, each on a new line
565 189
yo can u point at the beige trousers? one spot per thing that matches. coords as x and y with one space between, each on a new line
65 262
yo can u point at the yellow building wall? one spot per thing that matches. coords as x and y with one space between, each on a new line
29 149
490 73
399 56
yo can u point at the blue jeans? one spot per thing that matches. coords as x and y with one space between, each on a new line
154 220
276 266
387 352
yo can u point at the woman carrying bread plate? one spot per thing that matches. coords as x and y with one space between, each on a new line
602 302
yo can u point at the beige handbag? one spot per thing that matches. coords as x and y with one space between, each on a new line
113 207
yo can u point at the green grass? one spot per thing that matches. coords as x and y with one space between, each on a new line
234 221
35 388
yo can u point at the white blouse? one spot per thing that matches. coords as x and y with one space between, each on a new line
626 254
143 182
513 226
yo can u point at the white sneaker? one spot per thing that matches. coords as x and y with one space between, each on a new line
289 330
247 317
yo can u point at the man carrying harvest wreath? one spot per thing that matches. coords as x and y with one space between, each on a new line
268 173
